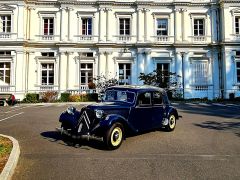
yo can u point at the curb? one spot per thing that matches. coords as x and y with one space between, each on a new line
11 164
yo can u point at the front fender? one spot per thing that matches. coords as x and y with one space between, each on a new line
172 110
107 122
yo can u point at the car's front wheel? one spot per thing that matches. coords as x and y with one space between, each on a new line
114 136
171 123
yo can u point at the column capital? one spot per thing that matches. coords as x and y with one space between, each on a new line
31 8
107 9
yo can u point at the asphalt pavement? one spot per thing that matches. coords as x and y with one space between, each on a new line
204 145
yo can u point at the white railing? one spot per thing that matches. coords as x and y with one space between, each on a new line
43 88
6 88
8 35
199 39
47 37
235 37
124 38
83 89
86 38
163 39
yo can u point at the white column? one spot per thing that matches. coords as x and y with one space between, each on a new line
146 24
63 24
178 66
31 27
20 29
139 27
101 24
108 24
102 64
63 61
70 25
184 25
32 71
140 65
177 26
148 64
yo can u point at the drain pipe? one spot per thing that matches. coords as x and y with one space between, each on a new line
183 84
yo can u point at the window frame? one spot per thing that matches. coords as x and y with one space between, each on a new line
48 26
4 69
86 71
47 70
196 82
124 72
87 26
161 29
198 28
144 105
6 26
124 28
237 68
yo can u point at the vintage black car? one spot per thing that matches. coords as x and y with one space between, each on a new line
124 110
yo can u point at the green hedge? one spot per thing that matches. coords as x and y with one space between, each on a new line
64 97
32 98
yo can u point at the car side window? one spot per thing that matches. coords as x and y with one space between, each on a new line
144 99
157 98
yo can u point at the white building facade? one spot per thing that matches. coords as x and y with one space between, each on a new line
61 45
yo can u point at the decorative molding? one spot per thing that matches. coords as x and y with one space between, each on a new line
4 7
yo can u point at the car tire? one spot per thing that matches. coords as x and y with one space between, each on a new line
171 123
114 136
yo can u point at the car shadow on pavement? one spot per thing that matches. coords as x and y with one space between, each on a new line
55 136
221 126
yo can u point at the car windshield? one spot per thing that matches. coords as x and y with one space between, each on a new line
119 95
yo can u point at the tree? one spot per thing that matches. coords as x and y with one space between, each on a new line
163 79
103 83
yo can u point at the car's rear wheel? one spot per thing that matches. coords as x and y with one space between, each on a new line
171 123
114 136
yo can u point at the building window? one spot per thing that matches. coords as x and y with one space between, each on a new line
238 71
86 26
47 54
47 73
200 72
124 26
199 27
164 70
48 28
162 27
5 24
5 53
237 20
5 69
86 73
124 73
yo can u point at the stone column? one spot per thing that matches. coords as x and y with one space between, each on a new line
63 24
70 10
63 56
146 15
101 24
140 65
139 28
101 64
31 20
184 25
148 64
108 24
177 25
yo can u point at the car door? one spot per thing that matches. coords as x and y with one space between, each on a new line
141 115
158 109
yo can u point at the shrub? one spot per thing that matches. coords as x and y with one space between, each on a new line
31 98
74 98
83 97
49 96
65 97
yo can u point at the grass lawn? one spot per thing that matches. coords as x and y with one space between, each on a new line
5 150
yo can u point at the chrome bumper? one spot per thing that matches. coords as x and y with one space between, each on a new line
84 137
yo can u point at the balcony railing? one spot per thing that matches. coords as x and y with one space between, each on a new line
124 38
81 89
163 39
86 38
235 37
200 39
8 36
44 88
7 89
47 37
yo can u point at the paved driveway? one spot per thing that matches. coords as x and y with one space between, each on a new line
204 145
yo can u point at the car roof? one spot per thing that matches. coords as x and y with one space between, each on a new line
137 88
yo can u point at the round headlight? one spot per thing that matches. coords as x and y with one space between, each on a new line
71 110
99 113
